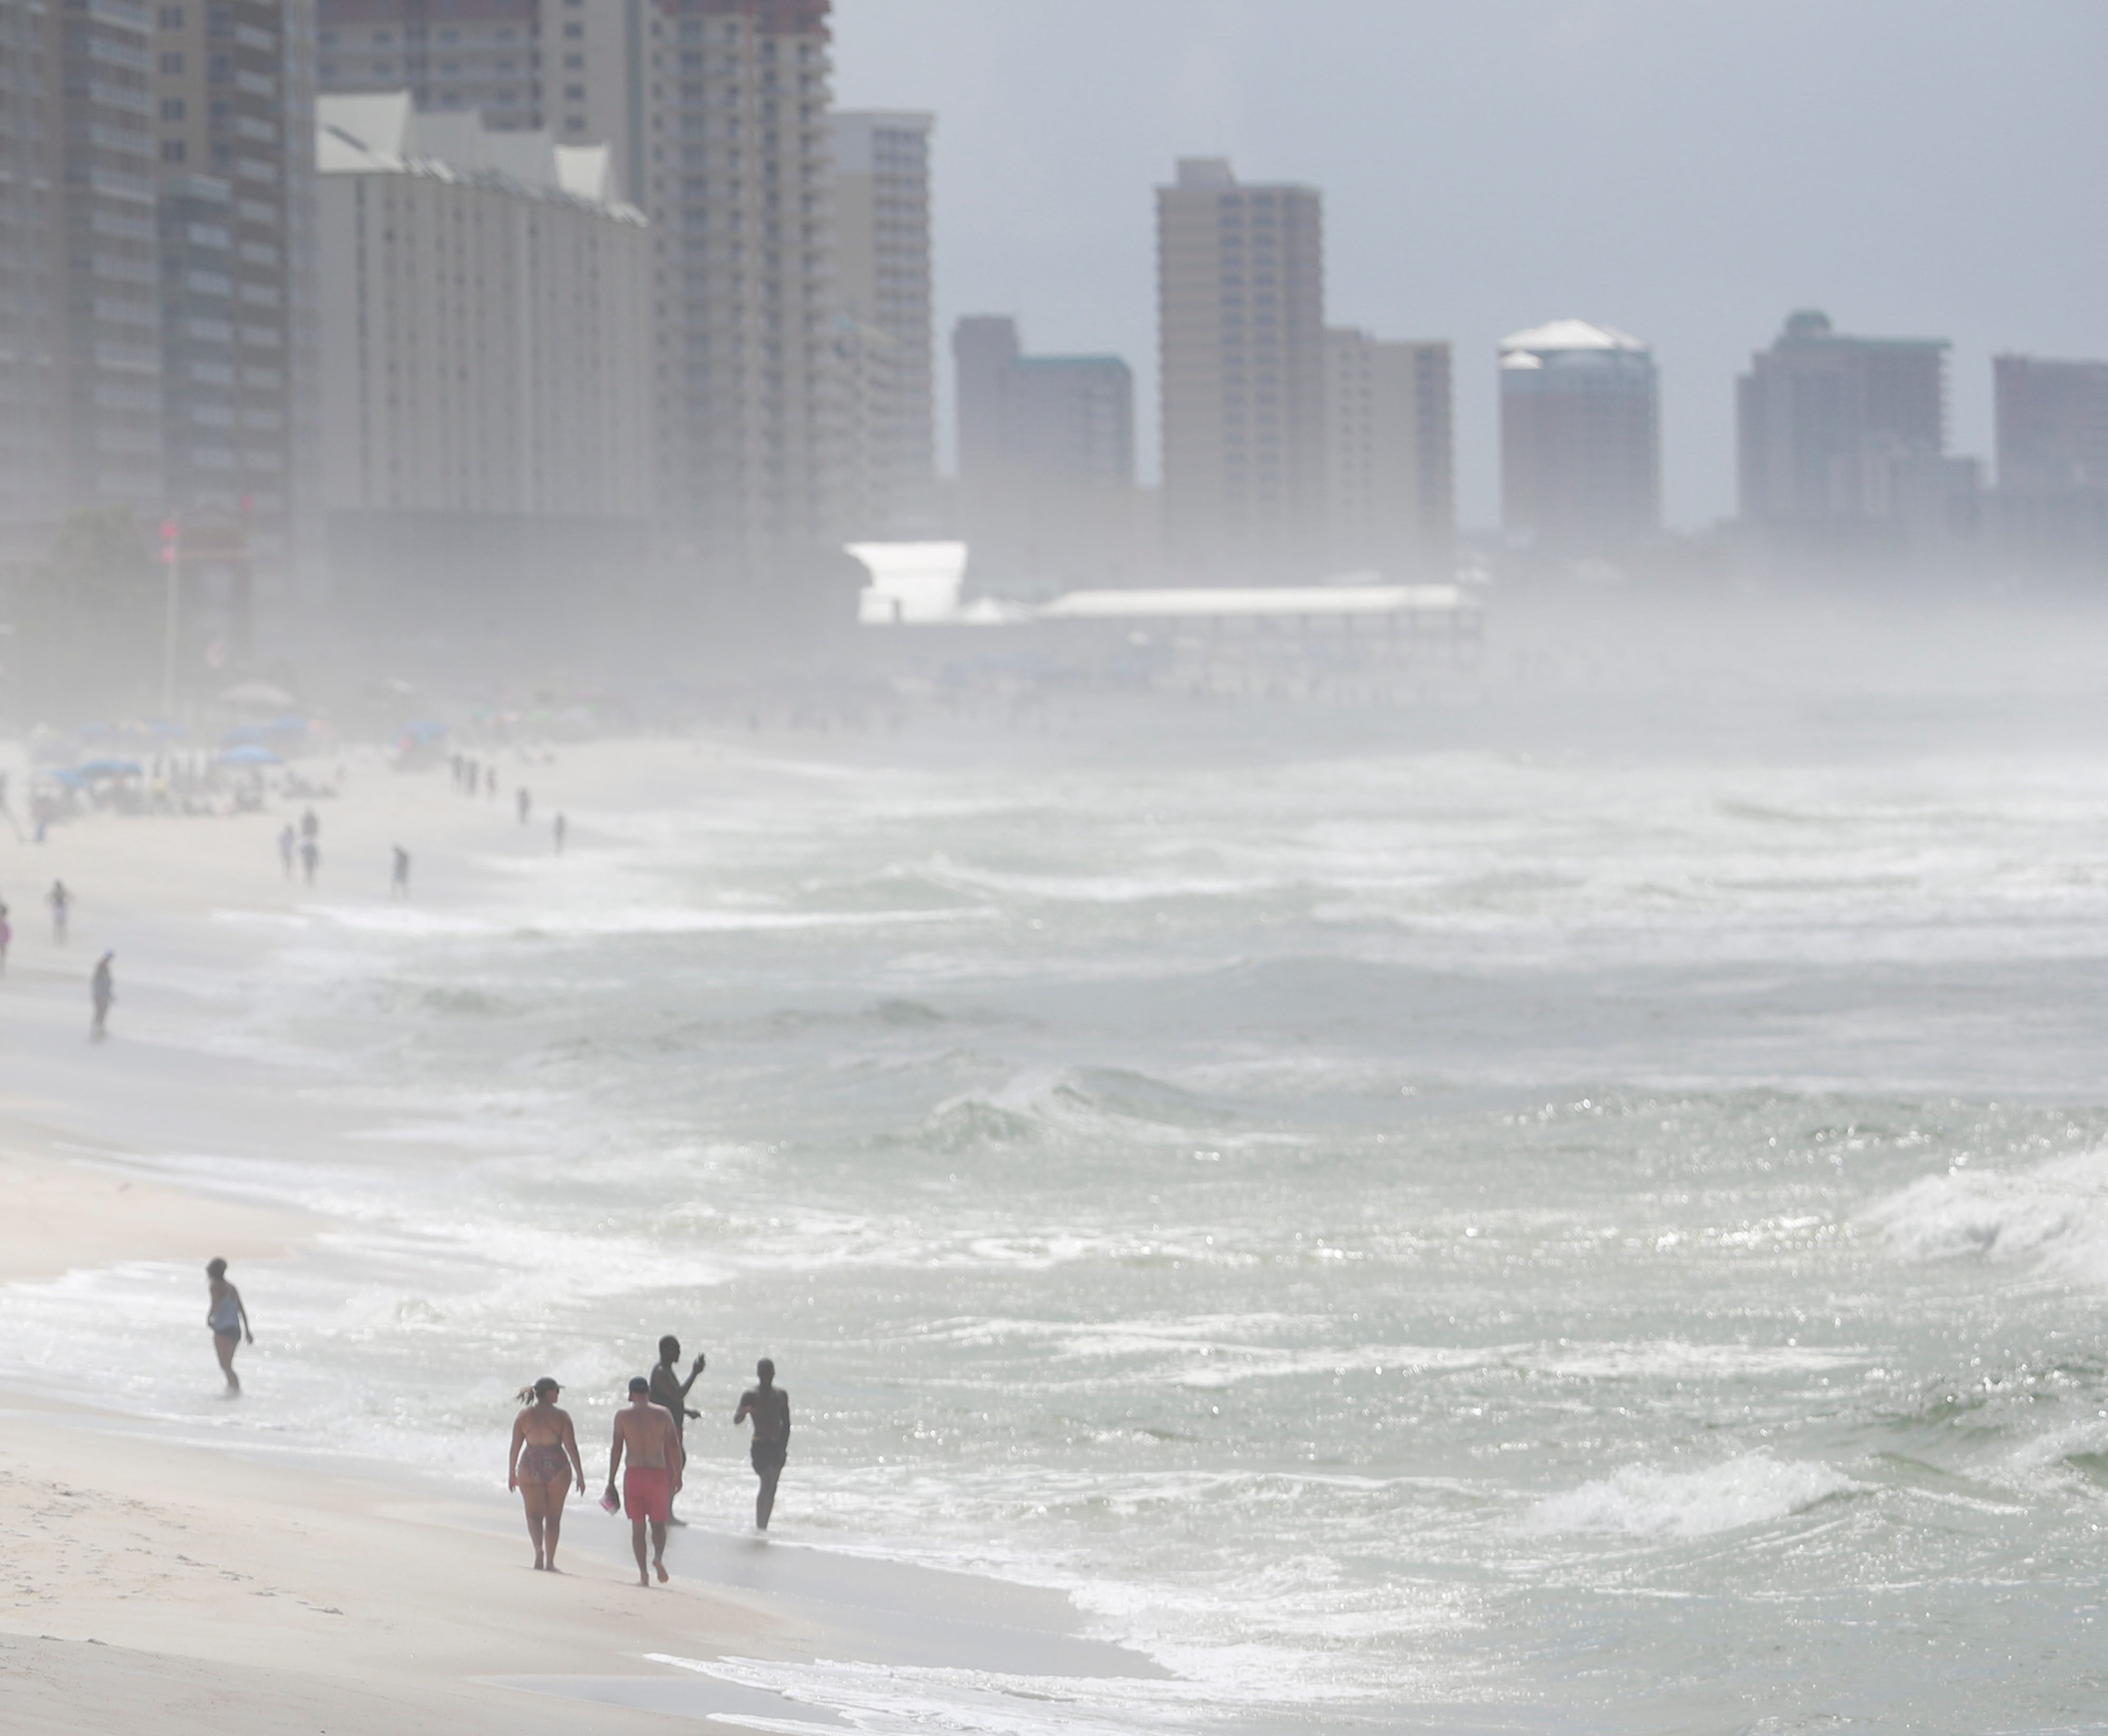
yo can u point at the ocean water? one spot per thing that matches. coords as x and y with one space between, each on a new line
1410 1228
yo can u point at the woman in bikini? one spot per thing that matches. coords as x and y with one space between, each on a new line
544 1464
229 1321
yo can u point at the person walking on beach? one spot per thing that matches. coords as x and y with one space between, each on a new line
769 1405
311 825
6 938
559 827
102 993
229 1321
311 855
670 1390
526 802
543 1462
61 902
398 882
647 1432
289 843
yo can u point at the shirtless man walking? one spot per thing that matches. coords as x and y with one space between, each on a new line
647 1432
769 1405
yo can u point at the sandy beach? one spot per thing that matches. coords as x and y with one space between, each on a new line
155 1578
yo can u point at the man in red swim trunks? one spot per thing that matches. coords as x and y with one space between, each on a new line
645 1431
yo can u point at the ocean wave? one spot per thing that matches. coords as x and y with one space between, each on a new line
1641 1501
2055 1213
1078 1101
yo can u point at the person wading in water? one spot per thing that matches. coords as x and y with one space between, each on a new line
229 1320
769 1405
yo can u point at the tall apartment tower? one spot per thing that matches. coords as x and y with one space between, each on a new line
881 240
479 56
33 264
2051 506
717 110
99 106
1046 494
1240 322
1390 486
2053 419
1580 439
234 117
1841 441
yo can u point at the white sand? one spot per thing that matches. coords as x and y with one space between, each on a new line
149 1584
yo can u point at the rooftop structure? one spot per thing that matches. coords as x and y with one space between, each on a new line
1580 439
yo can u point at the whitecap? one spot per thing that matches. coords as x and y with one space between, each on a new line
1640 1500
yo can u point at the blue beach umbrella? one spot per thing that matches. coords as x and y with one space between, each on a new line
248 753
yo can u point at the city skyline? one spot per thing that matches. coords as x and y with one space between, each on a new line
1930 151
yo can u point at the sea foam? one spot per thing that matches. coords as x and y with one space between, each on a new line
2056 1213
1641 1501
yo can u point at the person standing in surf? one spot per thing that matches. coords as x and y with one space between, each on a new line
670 1390
229 1321
769 1405
542 1465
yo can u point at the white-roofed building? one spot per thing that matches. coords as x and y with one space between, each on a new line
486 319
1580 439
486 339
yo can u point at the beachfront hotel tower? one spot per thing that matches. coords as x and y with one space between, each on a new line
1580 439
1240 329
1046 492
883 285
716 112
487 359
1391 495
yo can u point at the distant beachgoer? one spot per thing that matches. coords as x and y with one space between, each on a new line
6 938
229 1320
490 782
543 1462
398 883
311 827
311 857
289 845
102 992
769 1405
61 902
668 1389
559 827
647 1433
524 801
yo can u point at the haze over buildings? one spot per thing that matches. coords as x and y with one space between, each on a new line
1047 498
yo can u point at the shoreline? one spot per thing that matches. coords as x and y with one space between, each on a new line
267 1578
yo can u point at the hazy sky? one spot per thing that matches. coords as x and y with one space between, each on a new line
1687 170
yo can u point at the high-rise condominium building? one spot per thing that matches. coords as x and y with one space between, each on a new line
881 236
2052 420
34 471
717 110
487 354
480 56
1240 322
1046 494
98 106
2052 506
1580 439
233 96
1842 442
1389 476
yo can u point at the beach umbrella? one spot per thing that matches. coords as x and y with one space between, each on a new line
250 754
108 768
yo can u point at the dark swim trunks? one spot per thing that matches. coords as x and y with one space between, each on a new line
769 1455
